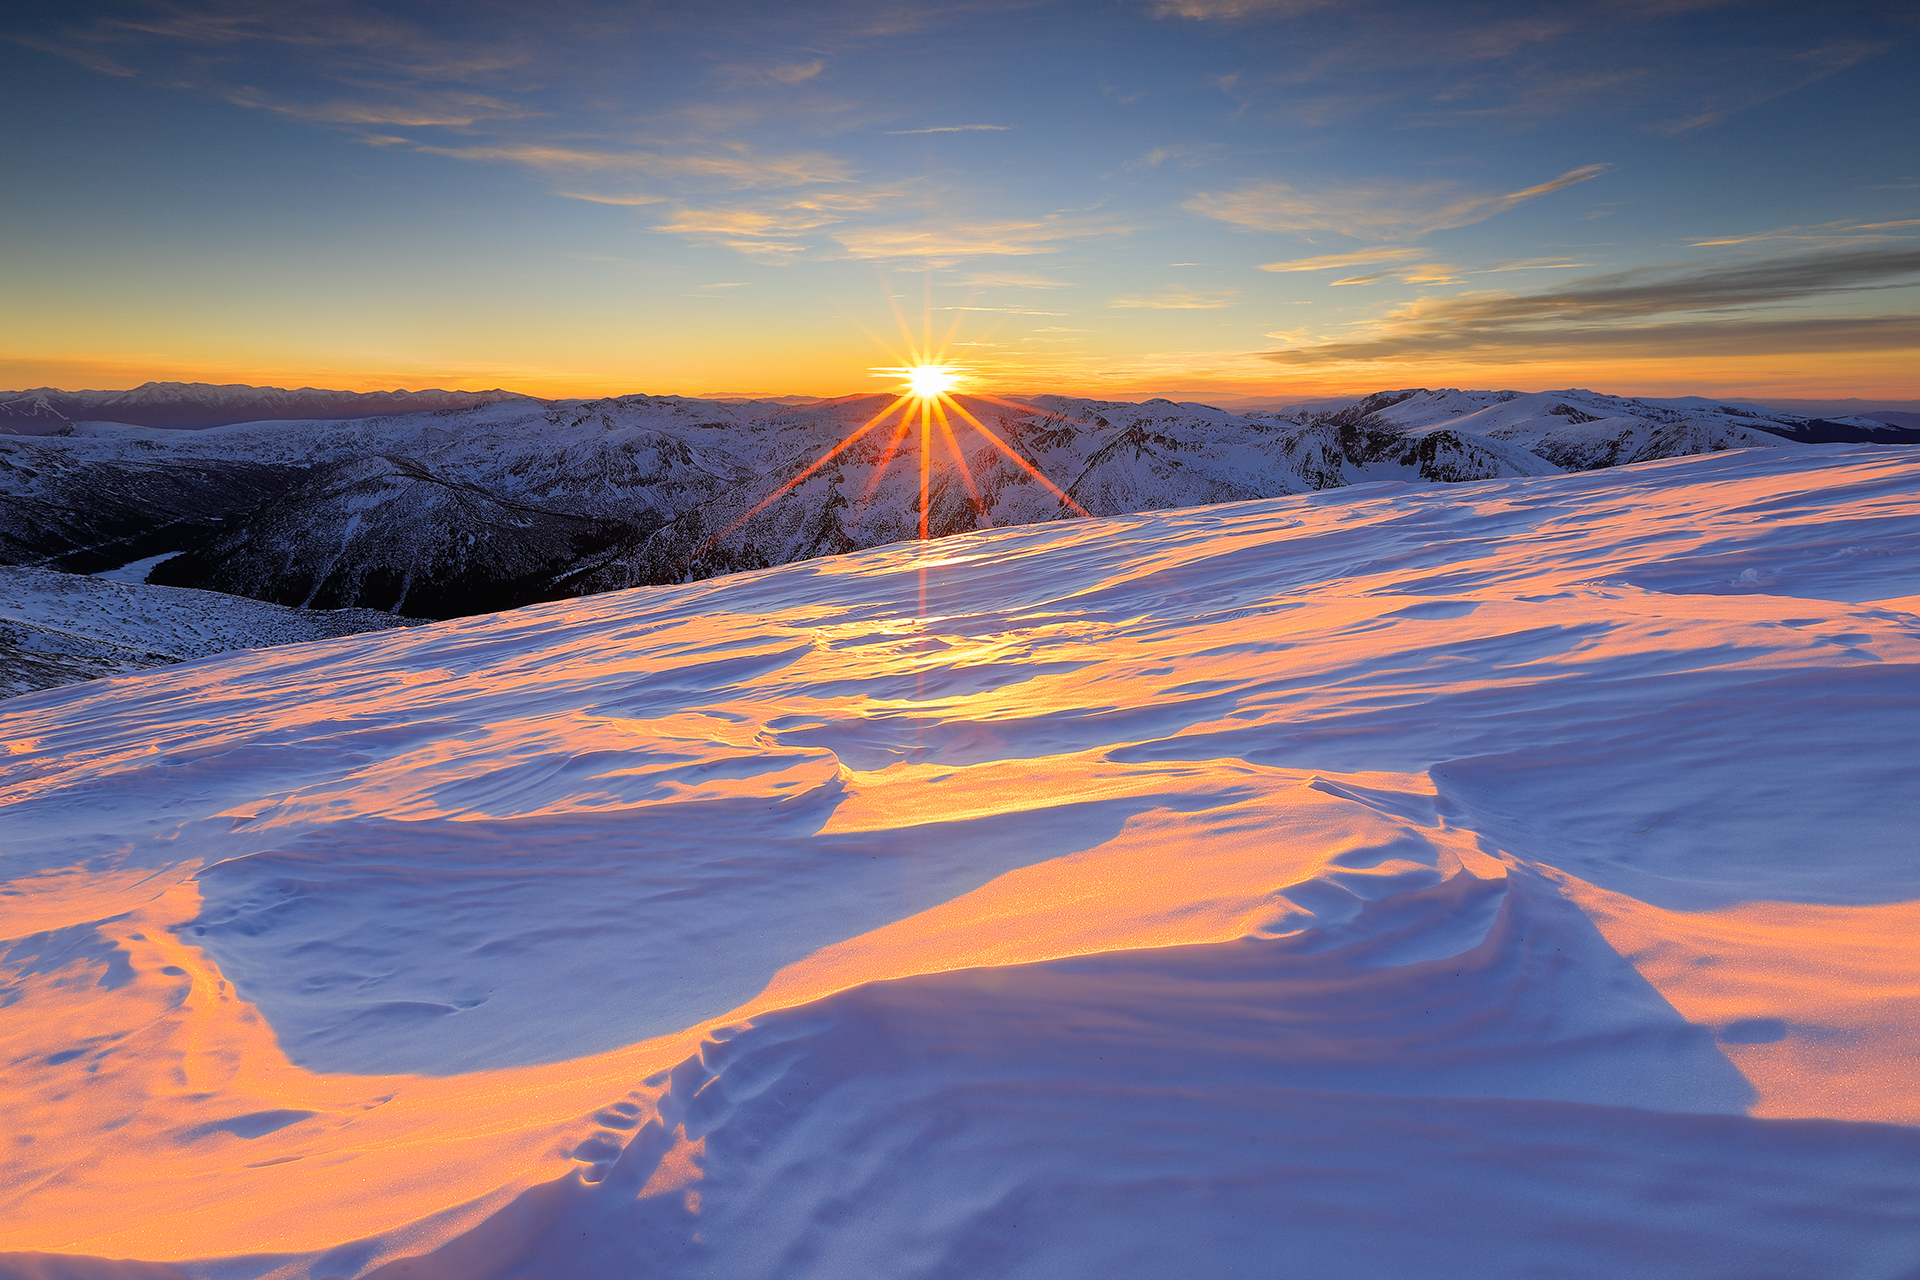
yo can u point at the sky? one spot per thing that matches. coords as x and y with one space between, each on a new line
1232 200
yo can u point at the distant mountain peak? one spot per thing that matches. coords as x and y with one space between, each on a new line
196 405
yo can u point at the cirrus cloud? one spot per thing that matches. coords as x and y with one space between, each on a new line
1340 261
1667 311
1010 237
1177 300
1386 210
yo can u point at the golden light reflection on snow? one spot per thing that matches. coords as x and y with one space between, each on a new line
1158 710
1819 1006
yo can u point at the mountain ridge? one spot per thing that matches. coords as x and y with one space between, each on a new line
475 508
198 405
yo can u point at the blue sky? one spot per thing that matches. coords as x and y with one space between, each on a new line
1222 198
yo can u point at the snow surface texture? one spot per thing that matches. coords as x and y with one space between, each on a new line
470 511
56 628
1507 879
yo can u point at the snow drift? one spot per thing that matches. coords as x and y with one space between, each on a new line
1508 878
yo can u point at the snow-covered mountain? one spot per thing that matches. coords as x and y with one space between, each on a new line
188 405
56 628
1575 430
471 510
1890 426
1508 879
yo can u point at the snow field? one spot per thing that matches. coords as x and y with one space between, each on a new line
1512 878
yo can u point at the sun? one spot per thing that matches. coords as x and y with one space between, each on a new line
924 405
929 381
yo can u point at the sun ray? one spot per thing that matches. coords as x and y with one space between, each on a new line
1031 408
959 317
926 317
959 459
1007 449
930 382
926 460
899 317
812 467
855 321
900 433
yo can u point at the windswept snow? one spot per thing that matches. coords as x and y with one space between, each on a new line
1506 878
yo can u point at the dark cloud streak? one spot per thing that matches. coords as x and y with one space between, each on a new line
1610 312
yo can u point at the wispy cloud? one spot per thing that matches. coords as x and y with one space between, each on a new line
1816 64
1235 9
634 199
344 42
735 169
736 75
79 51
1013 280
1825 234
1011 311
950 128
778 226
1426 273
1693 339
1632 310
1382 211
1529 264
797 72
414 110
1337 261
772 234
1178 300
1012 237
1183 157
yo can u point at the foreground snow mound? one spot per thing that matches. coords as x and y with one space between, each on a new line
57 628
1513 878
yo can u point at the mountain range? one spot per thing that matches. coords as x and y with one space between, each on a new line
475 508
197 405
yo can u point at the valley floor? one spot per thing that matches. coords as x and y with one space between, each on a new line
1514 878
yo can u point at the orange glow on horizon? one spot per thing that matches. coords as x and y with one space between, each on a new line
928 383
932 411
826 371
